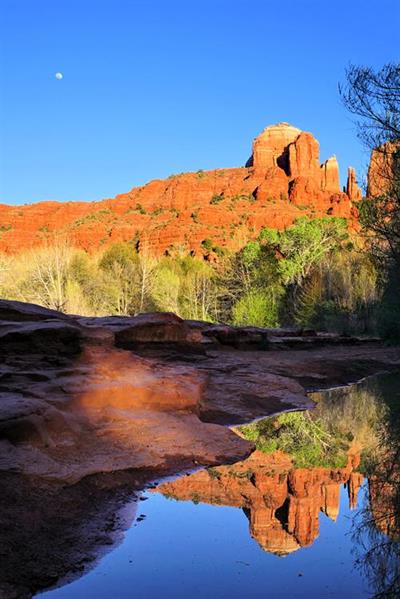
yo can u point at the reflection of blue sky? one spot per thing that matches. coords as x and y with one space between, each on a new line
182 550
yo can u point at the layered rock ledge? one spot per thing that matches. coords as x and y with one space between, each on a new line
80 396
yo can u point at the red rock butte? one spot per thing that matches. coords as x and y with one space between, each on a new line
282 181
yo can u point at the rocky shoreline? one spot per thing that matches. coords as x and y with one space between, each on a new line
93 409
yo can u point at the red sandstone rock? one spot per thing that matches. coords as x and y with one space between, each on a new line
158 327
380 170
330 175
274 186
304 157
305 187
270 147
184 210
352 188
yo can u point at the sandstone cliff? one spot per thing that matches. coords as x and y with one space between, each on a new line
282 181
381 169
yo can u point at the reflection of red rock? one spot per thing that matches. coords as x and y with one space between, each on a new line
282 503
229 206
353 486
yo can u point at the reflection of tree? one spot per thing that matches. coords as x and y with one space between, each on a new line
345 421
363 418
376 529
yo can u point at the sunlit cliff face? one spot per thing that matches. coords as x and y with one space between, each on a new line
282 503
285 181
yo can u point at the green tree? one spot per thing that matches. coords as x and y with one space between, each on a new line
258 308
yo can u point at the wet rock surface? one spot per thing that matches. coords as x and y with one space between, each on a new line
93 409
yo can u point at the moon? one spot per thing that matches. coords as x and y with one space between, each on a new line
58 76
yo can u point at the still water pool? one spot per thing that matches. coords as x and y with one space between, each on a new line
268 527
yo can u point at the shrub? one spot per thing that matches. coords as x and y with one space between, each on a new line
207 244
217 198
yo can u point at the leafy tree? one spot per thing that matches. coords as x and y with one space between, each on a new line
166 288
119 280
198 297
257 308
304 245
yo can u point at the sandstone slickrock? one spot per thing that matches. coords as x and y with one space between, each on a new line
282 181
75 400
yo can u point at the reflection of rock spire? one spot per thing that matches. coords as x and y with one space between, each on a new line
353 486
270 534
282 503
331 494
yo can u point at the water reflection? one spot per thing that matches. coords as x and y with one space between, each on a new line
298 469
282 503
297 473
376 529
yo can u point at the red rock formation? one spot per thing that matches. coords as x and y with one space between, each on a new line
380 170
270 148
283 503
330 175
304 157
352 188
228 206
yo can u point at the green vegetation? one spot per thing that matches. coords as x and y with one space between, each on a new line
322 438
157 211
213 473
312 274
217 198
207 244
139 208
300 436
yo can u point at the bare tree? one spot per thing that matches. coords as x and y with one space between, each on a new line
374 98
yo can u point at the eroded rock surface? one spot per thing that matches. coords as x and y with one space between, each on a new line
86 395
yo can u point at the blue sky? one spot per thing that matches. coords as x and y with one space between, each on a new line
157 87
